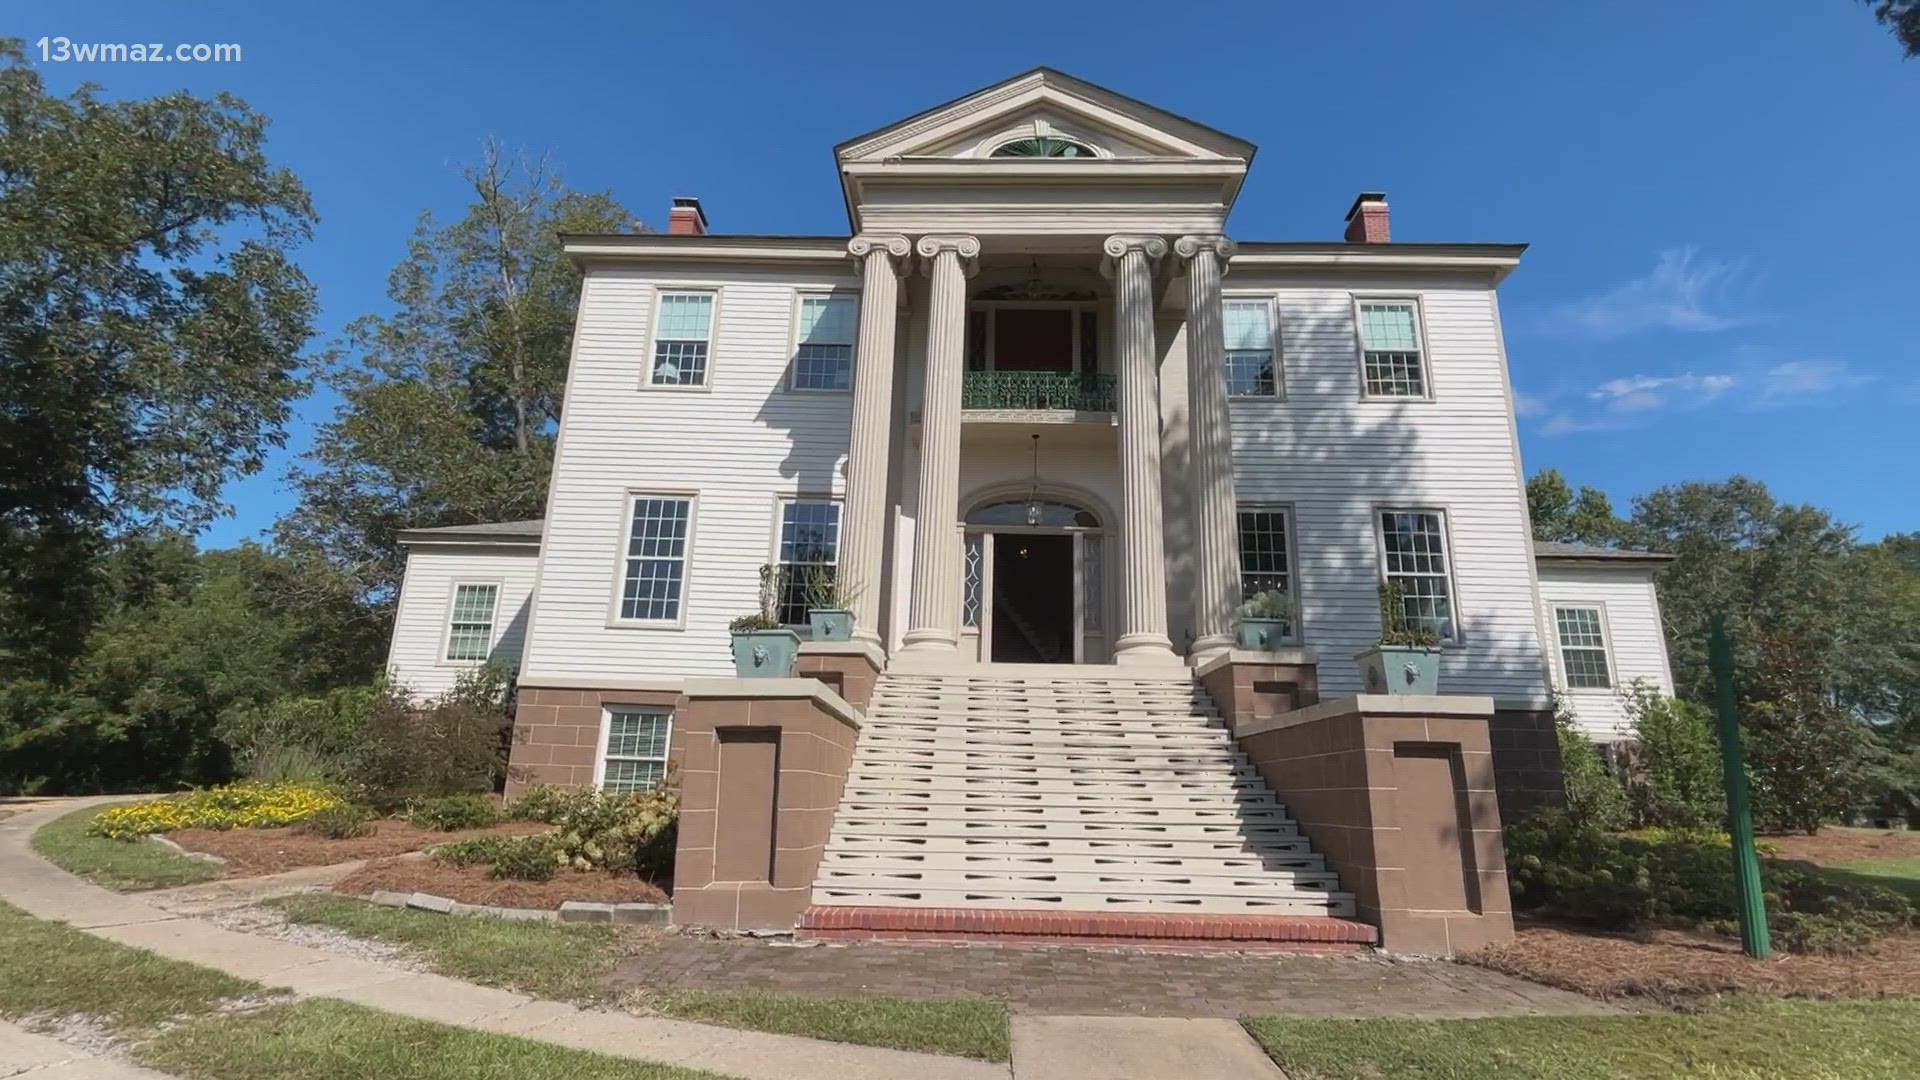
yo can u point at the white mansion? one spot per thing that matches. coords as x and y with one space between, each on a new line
1037 408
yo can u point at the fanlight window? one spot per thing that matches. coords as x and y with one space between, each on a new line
1053 515
1044 146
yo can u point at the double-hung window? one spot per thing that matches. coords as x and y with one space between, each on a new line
824 358
635 756
1583 648
654 581
1413 544
809 552
1252 360
1266 554
683 339
470 626
1391 359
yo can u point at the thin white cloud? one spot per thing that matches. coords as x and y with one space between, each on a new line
1682 292
1527 403
1565 424
1799 382
1646 393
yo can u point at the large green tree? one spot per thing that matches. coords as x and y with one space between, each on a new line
1561 514
1903 18
451 403
150 325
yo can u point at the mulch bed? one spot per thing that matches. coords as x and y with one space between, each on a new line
471 885
1677 966
1835 847
253 852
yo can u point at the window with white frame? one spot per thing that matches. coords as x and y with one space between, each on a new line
656 562
683 339
1414 545
809 552
1391 359
1583 648
470 626
824 358
635 758
1266 553
1252 369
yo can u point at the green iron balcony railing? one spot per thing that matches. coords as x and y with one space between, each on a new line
1072 390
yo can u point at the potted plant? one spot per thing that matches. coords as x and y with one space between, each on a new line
830 606
1266 619
762 648
1407 660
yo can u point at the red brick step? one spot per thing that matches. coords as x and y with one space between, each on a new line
1291 933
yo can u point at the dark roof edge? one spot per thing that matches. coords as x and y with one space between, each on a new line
1332 247
1548 549
505 533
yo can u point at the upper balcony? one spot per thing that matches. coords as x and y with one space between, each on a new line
1037 391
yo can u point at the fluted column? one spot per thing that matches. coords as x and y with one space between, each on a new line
1143 564
863 525
1216 554
934 625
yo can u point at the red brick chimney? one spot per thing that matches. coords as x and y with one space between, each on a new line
686 218
1367 220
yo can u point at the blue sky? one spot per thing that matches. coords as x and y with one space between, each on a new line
1725 262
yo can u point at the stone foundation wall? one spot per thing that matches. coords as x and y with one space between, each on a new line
556 733
1252 686
1398 794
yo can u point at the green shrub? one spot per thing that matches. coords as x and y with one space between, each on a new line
633 833
1561 867
291 765
543 802
344 821
1594 795
1673 764
409 753
450 812
472 851
310 732
526 858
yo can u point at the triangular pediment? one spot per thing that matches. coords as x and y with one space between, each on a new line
1044 103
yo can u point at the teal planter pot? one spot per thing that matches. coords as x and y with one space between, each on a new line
831 624
765 654
1265 635
1400 669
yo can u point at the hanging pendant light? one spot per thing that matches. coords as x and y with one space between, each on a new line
1033 492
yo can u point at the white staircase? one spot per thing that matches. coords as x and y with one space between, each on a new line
1059 789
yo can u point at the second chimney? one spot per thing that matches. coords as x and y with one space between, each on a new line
1367 220
686 218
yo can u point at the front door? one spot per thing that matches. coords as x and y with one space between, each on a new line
1033 598
1033 339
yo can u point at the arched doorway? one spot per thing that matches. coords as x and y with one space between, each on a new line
1034 581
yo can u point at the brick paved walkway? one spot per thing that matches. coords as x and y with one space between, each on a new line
1086 982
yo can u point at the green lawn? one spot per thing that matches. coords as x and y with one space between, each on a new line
569 963
970 1028
1859 1040
544 959
332 1040
1900 874
48 967
127 866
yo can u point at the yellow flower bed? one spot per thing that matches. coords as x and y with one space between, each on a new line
241 806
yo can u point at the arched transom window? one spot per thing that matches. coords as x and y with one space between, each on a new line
1053 515
1044 146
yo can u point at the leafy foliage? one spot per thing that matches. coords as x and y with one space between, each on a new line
151 336
1673 765
1563 867
1395 627
342 821
525 858
1559 514
450 812
241 806
1594 794
1903 18
598 830
413 752
451 402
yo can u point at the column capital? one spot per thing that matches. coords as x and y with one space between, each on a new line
962 245
1118 246
1187 247
893 244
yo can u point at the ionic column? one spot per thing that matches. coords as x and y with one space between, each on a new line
863 524
1216 553
1143 564
934 625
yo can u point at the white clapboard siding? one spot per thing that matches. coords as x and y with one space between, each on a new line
1335 457
417 657
1636 643
737 445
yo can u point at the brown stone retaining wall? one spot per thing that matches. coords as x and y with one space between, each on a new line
1400 799
556 733
1526 762
1259 686
848 668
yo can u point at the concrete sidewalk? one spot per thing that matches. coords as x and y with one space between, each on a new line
45 891
26 1056
1136 1048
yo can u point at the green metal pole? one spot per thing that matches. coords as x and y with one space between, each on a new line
1746 861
